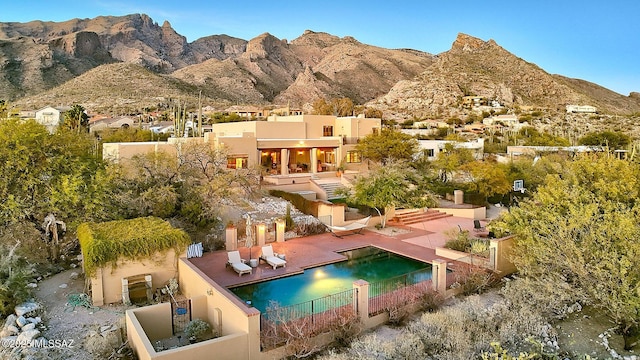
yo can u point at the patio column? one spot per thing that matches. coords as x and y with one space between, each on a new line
261 232
362 299
314 160
439 276
280 227
231 237
284 162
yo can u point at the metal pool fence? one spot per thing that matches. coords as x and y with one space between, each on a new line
398 291
280 323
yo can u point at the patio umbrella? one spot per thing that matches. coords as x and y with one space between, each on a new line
249 232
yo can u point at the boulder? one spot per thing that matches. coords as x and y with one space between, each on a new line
12 329
29 326
73 276
21 321
26 308
11 320
28 335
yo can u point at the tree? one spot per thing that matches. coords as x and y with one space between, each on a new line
450 159
76 118
580 230
46 173
533 137
614 140
337 107
388 145
190 185
390 186
487 178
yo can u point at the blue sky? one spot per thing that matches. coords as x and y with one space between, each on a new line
598 41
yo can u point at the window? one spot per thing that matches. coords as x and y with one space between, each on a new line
353 156
327 130
237 162
430 152
375 131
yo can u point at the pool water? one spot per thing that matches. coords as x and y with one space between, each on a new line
370 264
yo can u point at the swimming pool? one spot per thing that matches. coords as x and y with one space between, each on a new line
370 264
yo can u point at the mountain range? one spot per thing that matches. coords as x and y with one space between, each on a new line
124 63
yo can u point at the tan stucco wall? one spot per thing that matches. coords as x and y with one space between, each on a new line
156 321
161 267
477 213
148 324
504 249
120 151
237 318
356 127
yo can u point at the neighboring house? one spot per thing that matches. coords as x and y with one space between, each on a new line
247 112
121 122
293 144
51 117
431 148
471 102
282 144
515 151
581 109
510 120
162 127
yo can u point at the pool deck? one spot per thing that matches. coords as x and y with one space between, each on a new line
301 253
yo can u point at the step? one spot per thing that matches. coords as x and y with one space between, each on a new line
414 217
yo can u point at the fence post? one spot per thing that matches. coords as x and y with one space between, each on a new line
362 302
439 276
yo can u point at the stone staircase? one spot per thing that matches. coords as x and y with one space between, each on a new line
416 216
330 188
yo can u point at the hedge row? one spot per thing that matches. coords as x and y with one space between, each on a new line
308 207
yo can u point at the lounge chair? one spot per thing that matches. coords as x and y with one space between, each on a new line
270 258
355 227
237 263
477 226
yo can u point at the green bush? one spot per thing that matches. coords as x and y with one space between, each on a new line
104 243
15 273
197 328
307 207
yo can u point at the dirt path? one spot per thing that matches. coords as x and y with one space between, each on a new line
74 325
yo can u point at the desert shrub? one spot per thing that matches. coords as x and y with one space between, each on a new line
462 241
296 335
14 276
553 298
465 330
472 279
431 300
458 240
480 247
197 329
398 314
345 328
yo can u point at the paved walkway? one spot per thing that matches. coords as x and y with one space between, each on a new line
302 253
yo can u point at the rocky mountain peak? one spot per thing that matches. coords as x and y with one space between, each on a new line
318 39
469 43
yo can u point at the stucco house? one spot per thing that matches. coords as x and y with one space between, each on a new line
293 144
50 117
431 148
111 123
